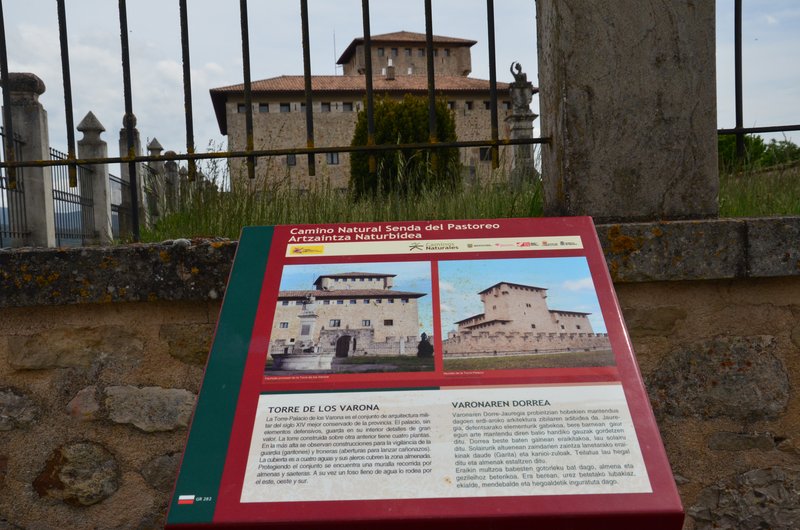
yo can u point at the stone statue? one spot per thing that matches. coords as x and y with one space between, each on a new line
520 77
424 348
521 91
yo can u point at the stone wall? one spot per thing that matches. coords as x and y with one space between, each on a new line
514 342
102 352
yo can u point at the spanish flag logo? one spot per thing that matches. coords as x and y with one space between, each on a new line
306 250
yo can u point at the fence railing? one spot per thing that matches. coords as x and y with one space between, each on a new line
73 206
13 219
740 130
120 207
251 153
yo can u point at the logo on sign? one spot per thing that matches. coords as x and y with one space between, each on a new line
305 250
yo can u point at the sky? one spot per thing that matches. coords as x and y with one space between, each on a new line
771 38
411 276
568 281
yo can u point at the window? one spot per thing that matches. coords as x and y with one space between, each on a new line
326 302
326 106
381 52
335 323
578 326
421 52
347 106
388 322
353 301
284 325
487 105
285 107
447 52
527 305
391 300
366 300
366 323
241 108
435 52
562 326
408 52
361 279
285 302
302 107
332 159
404 300
339 302
305 329
410 70
468 105
291 160
263 107
451 105
378 301
394 52
485 154
506 105
533 326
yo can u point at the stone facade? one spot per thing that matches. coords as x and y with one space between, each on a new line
345 315
279 116
517 320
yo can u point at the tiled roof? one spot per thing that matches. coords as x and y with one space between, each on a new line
402 37
355 85
348 293
515 285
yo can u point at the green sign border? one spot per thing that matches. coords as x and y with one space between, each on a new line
207 446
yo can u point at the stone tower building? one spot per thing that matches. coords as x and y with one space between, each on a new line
517 320
399 68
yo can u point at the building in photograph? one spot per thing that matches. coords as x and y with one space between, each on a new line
517 320
348 314
399 67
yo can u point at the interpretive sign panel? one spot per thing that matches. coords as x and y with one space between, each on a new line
436 372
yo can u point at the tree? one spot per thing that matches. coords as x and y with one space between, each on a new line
409 170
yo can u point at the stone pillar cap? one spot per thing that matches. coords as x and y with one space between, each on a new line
90 123
25 82
154 145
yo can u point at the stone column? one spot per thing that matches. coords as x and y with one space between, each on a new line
520 122
171 181
92 146
628 100
124 173
30 123
156 198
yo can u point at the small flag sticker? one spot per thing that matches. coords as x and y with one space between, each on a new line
185 499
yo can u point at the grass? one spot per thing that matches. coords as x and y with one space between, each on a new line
210 213
223 214
546 360
759 193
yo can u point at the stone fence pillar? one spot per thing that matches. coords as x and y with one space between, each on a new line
92 146
628 99
30 124
124 172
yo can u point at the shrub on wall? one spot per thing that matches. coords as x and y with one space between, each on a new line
406 171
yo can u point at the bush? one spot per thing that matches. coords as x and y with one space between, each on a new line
757 154
407 171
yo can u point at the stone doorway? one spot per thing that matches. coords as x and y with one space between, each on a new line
343 346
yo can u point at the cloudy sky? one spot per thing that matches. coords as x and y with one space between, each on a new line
771 38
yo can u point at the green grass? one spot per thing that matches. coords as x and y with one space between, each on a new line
223 214
546 360
209 213
759 193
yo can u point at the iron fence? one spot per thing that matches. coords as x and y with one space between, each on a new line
250 153
120 207
73 206
13 219
740 130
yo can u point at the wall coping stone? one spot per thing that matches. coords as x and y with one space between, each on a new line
198 269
